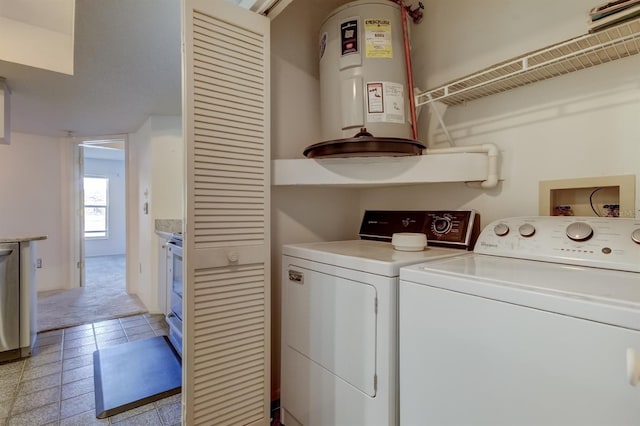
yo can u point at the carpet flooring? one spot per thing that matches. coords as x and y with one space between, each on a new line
103 297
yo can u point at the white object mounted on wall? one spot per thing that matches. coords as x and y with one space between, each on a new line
362 75
4 111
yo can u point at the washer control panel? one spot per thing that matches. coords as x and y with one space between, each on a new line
602 242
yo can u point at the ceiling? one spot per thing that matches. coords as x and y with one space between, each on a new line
126 67
53 15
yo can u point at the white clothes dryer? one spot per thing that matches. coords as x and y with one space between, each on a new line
339 317
539 326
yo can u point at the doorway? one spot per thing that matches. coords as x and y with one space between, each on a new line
98 288
103 219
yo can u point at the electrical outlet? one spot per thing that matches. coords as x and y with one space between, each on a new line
38 263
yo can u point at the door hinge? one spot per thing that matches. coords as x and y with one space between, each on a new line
80 265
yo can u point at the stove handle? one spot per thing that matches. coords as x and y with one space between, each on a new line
633 367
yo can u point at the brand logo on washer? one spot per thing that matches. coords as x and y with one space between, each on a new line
483 244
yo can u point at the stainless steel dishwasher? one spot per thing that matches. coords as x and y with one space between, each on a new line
9 301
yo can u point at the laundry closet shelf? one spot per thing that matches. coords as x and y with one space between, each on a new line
380 171
606 45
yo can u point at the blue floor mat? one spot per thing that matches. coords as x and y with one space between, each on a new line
136 373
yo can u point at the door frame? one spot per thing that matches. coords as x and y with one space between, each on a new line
77 243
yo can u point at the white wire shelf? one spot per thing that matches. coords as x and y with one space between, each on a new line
586 51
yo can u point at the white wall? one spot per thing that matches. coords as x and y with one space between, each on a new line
156 158
115 243
583 124
459 37
35 199
295 106
38 34
562 128
139 280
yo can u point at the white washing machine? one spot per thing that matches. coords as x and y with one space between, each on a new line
339 317
539 326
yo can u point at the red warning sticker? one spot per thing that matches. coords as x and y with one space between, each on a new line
375 98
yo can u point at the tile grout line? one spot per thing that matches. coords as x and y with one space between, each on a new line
62 340
15 394
155 403
93 335
95 339
124 329
97 348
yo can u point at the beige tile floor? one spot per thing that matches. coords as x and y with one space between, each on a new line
55 385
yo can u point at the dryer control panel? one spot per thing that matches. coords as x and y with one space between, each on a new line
446 228
601 242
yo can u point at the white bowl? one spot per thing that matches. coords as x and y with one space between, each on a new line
409 241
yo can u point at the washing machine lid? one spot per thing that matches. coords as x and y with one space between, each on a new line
604 295
375 257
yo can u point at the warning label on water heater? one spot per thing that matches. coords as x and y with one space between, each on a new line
385 102
377 38
349 36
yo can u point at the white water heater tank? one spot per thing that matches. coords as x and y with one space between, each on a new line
363 79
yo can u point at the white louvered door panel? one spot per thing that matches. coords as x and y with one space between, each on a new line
226 244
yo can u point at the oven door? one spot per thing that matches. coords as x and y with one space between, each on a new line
175 259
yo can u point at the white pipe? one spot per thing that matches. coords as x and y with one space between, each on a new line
492 153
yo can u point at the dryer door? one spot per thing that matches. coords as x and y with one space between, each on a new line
332 321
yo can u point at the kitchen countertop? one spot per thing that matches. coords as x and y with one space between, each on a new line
22 239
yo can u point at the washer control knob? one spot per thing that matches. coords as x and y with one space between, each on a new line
501 229
579 231
635 236
527 230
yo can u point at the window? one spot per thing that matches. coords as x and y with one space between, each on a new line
260 6
96 204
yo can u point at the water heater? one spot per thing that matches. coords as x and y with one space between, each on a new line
363 79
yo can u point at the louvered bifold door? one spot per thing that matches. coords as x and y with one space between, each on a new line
226 244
